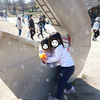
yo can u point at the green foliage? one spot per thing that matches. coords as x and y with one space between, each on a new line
84 76
73 83
31 10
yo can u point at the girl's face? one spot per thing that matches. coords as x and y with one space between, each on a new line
45 47
54 43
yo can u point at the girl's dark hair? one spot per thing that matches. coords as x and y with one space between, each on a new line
55 36
44 41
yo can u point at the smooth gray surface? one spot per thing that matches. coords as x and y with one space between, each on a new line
21 69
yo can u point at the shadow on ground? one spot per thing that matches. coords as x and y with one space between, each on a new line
84 91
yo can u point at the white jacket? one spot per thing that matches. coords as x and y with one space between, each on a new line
19 24
61 56
96 26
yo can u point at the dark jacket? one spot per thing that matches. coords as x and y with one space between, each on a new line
40 25
43 21
31 24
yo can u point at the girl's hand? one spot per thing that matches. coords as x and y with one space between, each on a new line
44 60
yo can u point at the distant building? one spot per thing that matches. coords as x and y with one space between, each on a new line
94 12
93 8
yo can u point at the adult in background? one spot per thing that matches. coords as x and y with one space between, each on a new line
23 18
28 17
2 16
31 27
5 16
19 25
95 28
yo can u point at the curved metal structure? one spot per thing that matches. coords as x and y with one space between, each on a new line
20 66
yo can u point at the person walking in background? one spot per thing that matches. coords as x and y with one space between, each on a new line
44 22
2 16
31 27
95 28
5 15
19 25
28 17
40 27
23 19
37 28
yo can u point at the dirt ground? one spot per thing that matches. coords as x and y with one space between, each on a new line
87 83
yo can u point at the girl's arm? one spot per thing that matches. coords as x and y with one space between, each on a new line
56 57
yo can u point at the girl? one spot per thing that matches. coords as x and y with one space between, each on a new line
66 63
19 25
46 50
95 28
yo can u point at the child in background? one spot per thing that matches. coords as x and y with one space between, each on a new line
40 27
95 29
43 22
37 28
66 63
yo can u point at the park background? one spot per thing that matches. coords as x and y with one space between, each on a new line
88 83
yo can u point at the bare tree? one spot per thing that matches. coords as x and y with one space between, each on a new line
33 4
22 4
91 3
14 6
1 5
7 4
